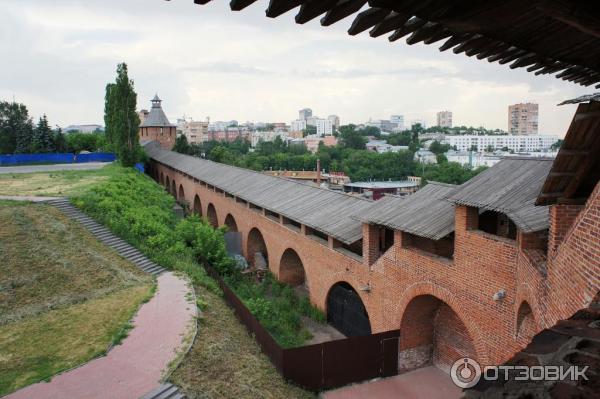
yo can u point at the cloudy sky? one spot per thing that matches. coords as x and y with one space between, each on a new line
57 57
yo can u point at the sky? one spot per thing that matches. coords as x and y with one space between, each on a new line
208 61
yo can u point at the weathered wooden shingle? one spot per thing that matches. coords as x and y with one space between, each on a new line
510 187
427 213
324 210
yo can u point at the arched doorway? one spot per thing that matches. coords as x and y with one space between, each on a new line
346 311
181 195
291 269
526 327
162 179
230 223
197 206
174 188
211 215
256 244
168 184
431 333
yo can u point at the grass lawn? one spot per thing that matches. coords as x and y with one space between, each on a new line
64 297
226 362
64 183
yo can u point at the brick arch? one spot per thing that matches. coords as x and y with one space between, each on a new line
525 294
256 243
449 299
291 268
526 325
168 183
211 215
197 206
345 314
173 190
231 223
162 179
181 193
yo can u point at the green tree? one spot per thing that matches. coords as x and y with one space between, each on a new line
557 145
181 145
490 148
43 138
310 129
16 128
438 148
122 119
351 138
60 142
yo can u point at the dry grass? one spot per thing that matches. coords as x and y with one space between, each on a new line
50 262
226 362
37 348
64 296
58 184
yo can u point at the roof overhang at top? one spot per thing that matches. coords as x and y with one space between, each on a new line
576 169
546 36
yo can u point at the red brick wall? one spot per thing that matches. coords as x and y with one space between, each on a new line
483 264
166 138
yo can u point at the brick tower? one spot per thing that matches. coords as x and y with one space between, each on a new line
156 126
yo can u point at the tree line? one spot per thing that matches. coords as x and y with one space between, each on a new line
349 156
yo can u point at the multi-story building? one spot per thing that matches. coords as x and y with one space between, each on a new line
298 125
398 120
305 113
229 135
257 137
522 143
382 124
421 122
444 119
523 118
324 127
194 131
335 121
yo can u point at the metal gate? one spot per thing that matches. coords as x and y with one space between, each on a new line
346 312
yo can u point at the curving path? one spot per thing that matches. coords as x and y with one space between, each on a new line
135 367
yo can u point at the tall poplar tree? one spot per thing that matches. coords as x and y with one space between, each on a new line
121 118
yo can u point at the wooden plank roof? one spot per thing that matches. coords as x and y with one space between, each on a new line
324 210
426 213
576 169
510 187
560 37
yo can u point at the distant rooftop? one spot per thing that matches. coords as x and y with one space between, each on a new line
382 184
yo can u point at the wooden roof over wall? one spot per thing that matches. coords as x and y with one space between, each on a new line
576 169
559 37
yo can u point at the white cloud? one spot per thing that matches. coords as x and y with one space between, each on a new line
209 61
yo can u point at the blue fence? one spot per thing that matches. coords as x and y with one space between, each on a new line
20 159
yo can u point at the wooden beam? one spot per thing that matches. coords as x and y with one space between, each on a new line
314 8
279 7
238 5
391 22
367 19
341 11
584 16
412 25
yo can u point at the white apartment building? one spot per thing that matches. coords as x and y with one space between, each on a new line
298 125
335 121
397 120
524 143
324 127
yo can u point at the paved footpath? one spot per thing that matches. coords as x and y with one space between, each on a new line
133 368
424 383
53 167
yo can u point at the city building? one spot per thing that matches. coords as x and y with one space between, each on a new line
266 136
228 134
444 119
156 126
382 146
421 122
312 142
333 180
472 159
305 113
377 189
298 125
84 128
335 121
522 143
194 131
523 119
324 127
425 156
397 120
